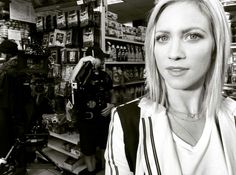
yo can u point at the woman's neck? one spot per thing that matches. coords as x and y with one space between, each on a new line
187 101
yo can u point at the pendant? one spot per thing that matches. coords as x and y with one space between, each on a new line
194 116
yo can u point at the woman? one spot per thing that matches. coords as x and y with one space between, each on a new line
186 126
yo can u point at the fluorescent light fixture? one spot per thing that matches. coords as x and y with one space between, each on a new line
109 2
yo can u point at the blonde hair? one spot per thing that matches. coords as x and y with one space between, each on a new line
215 78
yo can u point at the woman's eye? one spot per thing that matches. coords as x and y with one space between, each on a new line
193 36
162 38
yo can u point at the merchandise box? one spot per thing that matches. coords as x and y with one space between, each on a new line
40 23
70 55
54 56
112 16
73 55
71 163
69 34
51 39
88 37
45 41
72 18
61 20
84 17
66 72
59 38
63 55
72 37
56 70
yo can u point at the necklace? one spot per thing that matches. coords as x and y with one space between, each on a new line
181 126
185 116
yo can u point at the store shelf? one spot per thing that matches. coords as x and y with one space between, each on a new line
129 83
124 62
123 40
69 137
233 46
54 8
58 146
60 158
230 85
230 6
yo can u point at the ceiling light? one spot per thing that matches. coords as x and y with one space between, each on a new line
109 2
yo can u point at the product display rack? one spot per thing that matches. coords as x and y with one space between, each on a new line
121 63
229 5
65 57
57 145
233 46
64 148
59 159
127 75
122 40
57 152
68 137
229 88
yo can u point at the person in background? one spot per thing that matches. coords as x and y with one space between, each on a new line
92 105
11 103
8 51
185 124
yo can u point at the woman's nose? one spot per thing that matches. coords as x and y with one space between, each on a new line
176 50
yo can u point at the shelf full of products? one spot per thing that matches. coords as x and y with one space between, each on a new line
229 90
125 45
69 137
64 147
229 5
123 40
230 8
128 80
64 141
72 165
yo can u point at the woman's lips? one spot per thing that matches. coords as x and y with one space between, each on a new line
177 71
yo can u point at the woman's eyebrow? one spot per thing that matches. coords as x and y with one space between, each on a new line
193 28
183 31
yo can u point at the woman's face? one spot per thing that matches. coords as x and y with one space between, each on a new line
183 46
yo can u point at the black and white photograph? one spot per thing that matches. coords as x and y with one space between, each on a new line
118 87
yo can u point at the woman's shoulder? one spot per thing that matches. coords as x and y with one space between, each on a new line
228 106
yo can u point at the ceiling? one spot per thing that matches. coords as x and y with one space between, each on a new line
132 10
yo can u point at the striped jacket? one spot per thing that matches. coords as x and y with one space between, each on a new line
156 152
